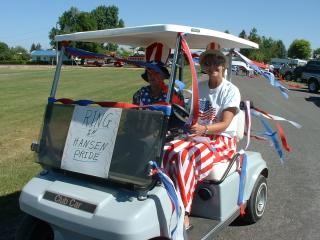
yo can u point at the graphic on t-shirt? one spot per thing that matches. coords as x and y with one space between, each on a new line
206 111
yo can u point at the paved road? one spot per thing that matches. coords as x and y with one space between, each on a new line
293 210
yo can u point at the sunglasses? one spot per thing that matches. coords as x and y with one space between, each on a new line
213 61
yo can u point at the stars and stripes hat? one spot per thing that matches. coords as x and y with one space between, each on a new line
156 56
158 67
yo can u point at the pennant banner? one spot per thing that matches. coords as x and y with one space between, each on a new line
271 134
268 75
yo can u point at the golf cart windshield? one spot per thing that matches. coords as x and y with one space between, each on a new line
109 143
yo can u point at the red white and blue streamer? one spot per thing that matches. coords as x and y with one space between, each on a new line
271 134
243 176
163 107
268 75
177 232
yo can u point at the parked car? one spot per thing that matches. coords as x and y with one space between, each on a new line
286 71
118 63
94 63
308 72
311 75
296 74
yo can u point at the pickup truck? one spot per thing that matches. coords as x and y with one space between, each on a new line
313 80
287 72
311 75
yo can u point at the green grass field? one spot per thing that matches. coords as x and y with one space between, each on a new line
23 96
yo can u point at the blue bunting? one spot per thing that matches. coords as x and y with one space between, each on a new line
272 135
168 185
243 176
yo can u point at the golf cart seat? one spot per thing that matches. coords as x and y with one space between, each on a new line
220 168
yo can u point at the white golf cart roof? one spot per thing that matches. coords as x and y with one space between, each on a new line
142 36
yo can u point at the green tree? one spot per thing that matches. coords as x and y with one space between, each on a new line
38 46
107 17
19 53
85 22
53 32
268 47
300 48
111 47
254 54
4 52
73 20
69 20
280 50
253 36
35 47
243 34
124 53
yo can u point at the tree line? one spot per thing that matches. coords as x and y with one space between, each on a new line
270 48
106 17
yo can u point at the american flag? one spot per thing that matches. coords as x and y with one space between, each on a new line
206 111
188 163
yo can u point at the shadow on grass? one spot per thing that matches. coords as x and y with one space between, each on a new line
10 215
315 100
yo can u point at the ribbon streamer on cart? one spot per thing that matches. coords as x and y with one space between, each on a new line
177 231
268 75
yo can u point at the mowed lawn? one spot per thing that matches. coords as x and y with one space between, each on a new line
23 96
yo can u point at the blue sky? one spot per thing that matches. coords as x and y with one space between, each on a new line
25 22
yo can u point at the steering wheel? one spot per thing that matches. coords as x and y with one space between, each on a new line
180 113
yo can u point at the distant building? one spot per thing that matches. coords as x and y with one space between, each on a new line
46 56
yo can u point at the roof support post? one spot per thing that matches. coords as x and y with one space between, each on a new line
57 73
174 68
229 71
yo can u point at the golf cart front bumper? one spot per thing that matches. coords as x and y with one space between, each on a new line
117 214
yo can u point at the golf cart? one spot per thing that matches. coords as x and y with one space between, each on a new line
95 182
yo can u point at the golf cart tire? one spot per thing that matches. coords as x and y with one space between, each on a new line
257 202
313 85
32 228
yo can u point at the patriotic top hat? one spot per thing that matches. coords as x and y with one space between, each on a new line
156 56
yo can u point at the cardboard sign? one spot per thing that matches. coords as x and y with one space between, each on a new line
90 141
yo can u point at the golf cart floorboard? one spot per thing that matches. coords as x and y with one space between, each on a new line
204 228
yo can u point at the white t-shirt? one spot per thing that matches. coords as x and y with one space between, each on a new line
213 101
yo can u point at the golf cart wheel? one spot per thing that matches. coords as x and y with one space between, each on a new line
313 85
257 202
32 228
